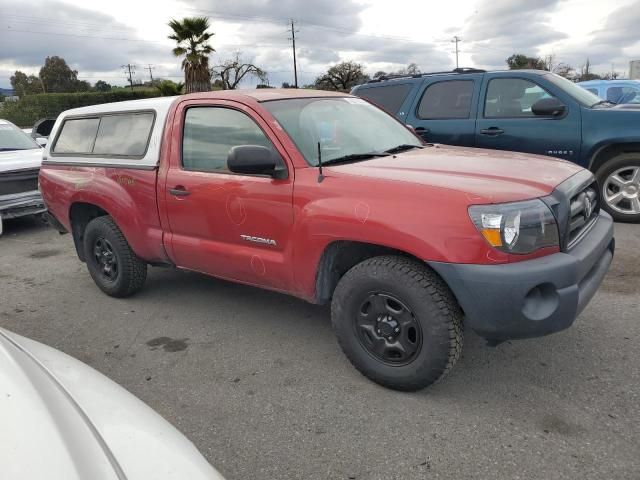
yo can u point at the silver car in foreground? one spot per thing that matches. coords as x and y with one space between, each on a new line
62 420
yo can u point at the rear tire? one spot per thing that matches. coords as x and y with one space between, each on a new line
619 182
111 262
397 322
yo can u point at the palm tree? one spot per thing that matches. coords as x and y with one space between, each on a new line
191 37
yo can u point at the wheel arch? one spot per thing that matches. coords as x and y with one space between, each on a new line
339 256
607 152
80 214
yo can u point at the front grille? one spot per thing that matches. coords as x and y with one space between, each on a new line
583 210
18 182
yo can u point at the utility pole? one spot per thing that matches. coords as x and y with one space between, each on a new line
150 67
295 66
455 40
131 70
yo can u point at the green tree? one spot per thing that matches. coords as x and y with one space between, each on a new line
169 88
58 77
342 77
24 84
519 61
101 86
233 71
192 42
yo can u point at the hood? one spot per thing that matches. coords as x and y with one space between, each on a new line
627 106
486 175
78 424
20 159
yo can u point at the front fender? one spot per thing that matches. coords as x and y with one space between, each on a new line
426 223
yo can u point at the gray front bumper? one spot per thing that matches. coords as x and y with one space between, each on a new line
533 297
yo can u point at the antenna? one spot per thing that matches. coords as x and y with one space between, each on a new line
320 175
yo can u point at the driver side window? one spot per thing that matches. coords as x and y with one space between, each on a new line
209 134
512 98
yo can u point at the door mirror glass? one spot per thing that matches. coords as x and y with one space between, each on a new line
43 127
548 107
255 160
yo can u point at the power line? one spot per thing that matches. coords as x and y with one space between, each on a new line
128 67
150 67
295 66
455 40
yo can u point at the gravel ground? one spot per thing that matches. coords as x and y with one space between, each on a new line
256 379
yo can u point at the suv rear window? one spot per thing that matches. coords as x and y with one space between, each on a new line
390 97
446 100
121 135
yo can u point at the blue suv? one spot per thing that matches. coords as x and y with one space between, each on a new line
616 91
528 111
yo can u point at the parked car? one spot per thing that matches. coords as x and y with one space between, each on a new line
325 197
616 91
62 420
525 111
20 159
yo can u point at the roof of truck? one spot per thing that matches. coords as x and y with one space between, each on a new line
162 104
156 103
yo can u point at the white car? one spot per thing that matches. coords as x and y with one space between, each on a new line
20 160
62 420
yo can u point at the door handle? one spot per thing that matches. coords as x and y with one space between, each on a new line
492 131
422 130
179 191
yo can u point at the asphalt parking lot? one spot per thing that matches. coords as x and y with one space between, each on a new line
257 381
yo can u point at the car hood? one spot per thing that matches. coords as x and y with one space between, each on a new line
484 175
20 159
63 420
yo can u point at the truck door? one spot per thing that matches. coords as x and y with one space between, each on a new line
445 109
228 225
506 122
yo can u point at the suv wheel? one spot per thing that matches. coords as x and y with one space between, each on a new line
397 322
114 267
619 181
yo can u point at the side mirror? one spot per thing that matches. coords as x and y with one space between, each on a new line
41 141
43 127
548 107
255 160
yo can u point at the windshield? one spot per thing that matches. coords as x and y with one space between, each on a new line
343 126
12 138
585 97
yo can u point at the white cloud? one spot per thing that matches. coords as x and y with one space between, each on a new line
97 37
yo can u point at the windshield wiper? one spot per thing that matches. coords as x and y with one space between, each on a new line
403 147
354 157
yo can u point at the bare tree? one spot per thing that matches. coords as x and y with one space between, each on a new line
231 72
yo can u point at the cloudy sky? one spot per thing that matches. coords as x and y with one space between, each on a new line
97 37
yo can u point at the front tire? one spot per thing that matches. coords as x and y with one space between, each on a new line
397 322
619 181
111 262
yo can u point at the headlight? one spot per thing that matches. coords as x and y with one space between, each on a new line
518 227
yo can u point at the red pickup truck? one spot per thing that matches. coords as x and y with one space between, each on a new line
325 197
